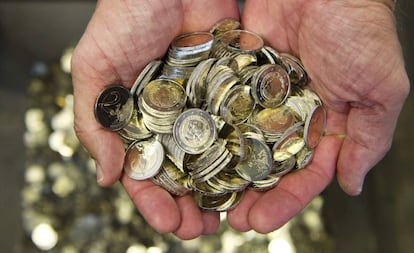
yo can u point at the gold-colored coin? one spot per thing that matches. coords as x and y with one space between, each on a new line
164 95
274 120
238 104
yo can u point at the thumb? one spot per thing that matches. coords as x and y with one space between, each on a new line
104 146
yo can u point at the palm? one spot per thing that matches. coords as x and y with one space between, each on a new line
349 50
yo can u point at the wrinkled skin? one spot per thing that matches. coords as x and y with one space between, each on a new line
349 48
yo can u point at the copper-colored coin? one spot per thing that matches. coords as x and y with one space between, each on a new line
315 126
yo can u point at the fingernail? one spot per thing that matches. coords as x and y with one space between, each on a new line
99 173
358 189
352 187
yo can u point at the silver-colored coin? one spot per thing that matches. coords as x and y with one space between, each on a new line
194 131
189 44
203 160
114 107
149 73
187 50
196 87
213 169
143 159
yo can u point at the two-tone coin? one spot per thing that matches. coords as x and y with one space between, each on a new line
237 105
143 159
114 107
270 85
273 122
194 131
257 163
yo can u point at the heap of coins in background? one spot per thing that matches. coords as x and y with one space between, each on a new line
221 113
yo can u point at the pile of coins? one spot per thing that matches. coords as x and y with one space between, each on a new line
221 113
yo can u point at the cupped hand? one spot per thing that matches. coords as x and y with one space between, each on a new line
352 54
121 38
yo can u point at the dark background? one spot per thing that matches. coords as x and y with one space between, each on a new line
380 220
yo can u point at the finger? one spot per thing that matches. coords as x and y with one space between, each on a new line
191 225
296 190
238 217
211 221
369 138
155 204
104 146
268 19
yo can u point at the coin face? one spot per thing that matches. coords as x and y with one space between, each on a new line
276 120
271 85
237 105
114 107
143 159
164 95
194 131
258 161
315 126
